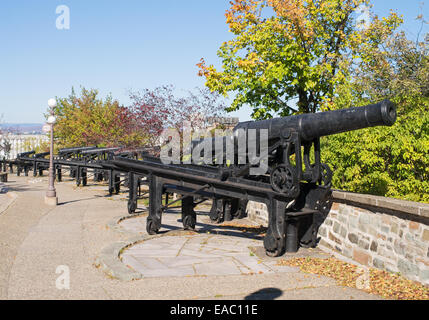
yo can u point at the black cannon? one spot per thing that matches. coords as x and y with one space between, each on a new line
295 190
297 136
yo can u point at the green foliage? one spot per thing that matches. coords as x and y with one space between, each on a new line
88 120
387 161
391 162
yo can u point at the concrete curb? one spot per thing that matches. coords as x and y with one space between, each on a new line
10 199
114 225
110 263
109 260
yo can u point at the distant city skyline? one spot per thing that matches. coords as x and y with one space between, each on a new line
116 47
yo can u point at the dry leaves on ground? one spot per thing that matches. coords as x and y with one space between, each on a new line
383 283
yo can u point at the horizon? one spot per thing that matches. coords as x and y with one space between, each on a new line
116 47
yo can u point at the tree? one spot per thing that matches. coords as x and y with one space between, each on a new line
193 108
89 120
189 112
300 54
386 161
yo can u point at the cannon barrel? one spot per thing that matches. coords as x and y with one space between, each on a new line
76 149
312 126
26 154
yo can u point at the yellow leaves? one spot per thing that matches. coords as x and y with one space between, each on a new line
251 61
241 14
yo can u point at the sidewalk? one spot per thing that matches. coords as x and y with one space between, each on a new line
215 263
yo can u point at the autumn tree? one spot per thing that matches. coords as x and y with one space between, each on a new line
193 108
89 120
290 56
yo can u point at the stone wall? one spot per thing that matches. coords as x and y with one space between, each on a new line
378 232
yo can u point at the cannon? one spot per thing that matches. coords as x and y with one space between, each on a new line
291 140
295 189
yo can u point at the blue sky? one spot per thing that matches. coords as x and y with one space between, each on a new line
115 46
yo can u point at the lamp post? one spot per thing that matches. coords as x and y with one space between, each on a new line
51 194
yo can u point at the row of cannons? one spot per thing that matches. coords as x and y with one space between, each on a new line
296 187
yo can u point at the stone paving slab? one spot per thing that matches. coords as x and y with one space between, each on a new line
212 250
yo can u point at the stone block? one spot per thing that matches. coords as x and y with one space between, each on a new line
335 206
378 263
410 257
394 228
372 231
353 238
326 244
347 253
353 222
322 232
381 236
344 210
386 219
334 238
409 237
343 232
399 247
385 229
338 194
424 211
399 205
414 225
374 246
363 228
424 276
363 244
343 219
425 235
423 261
391 268
408 268
361 257
364 219
387 254
362 198
375 220
336 227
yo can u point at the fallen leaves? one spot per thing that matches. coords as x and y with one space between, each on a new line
383 283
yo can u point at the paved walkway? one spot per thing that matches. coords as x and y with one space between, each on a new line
213 250
217 262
